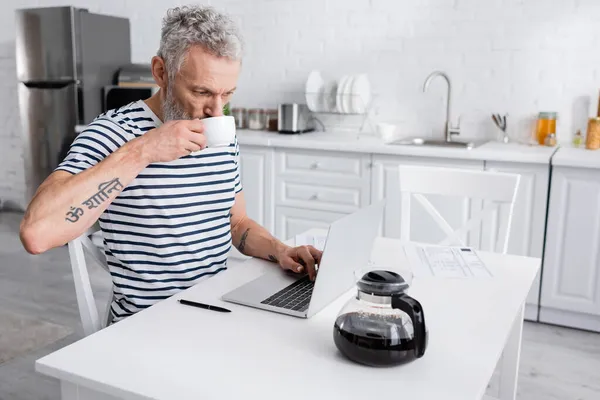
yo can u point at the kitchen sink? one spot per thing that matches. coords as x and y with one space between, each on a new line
417 141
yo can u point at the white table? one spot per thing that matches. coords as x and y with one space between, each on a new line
171 351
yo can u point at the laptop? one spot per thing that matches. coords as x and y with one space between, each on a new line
347 249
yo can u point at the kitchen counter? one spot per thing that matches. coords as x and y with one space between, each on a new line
577 157
351 142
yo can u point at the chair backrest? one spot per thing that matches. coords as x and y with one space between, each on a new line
83 288
494 188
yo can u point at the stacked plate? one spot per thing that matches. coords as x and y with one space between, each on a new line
350 94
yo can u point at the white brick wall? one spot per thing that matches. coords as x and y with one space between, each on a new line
515 56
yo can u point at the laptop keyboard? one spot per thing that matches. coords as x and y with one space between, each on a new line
293 297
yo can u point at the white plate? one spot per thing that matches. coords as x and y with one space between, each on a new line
330 96
361 93
348 95
339 99
314 89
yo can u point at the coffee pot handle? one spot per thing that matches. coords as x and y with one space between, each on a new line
414 310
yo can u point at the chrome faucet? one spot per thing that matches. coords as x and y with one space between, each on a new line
449 130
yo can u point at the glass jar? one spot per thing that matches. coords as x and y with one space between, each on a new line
546 124
550 140
256 119
239 114
593 134
271 120
578 139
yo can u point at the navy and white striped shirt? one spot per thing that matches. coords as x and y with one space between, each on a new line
170 227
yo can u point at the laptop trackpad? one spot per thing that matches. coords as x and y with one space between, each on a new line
263 287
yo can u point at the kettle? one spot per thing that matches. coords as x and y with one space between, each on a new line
382 325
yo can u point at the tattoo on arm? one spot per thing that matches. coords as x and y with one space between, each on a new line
104 190
243 241
74 214
273 258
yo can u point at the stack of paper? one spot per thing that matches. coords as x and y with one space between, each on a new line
446 262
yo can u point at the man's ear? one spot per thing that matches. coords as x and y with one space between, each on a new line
159 72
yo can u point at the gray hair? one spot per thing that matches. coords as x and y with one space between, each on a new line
187 26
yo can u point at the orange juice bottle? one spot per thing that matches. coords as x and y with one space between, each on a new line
546 124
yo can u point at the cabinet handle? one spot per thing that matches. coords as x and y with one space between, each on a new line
314 197
315 165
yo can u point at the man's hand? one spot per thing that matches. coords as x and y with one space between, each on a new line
299 259
173 140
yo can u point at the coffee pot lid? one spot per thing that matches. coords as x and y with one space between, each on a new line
382 283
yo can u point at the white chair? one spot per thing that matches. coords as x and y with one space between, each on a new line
493 188
83 288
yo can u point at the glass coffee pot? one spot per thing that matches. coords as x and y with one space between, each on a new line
382 325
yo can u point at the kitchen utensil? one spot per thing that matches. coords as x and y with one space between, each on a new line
295 118
500 121
382 325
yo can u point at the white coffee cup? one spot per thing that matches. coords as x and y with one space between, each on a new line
219 131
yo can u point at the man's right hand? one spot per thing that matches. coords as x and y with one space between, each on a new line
173 140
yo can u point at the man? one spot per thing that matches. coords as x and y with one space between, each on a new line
168 207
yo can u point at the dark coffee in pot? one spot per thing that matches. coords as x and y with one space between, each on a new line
378 342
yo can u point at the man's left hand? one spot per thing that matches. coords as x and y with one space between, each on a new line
299 259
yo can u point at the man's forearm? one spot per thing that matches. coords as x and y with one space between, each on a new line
66 207
252 239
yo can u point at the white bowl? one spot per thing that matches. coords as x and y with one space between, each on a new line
386 131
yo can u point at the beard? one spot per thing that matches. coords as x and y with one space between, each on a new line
171 108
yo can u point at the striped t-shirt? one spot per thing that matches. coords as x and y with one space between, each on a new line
170 227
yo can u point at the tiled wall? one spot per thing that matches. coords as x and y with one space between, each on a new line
514 56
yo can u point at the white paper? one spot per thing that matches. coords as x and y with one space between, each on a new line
447 262
317 241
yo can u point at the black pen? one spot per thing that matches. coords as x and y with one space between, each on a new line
205 306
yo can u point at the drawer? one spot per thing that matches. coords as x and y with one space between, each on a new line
321 197
320 166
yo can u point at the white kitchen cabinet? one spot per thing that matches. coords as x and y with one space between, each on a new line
319 180
529 219
256 173
314 188
293 221
384 184
571 276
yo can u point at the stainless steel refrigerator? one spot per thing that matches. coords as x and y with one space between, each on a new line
65 55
